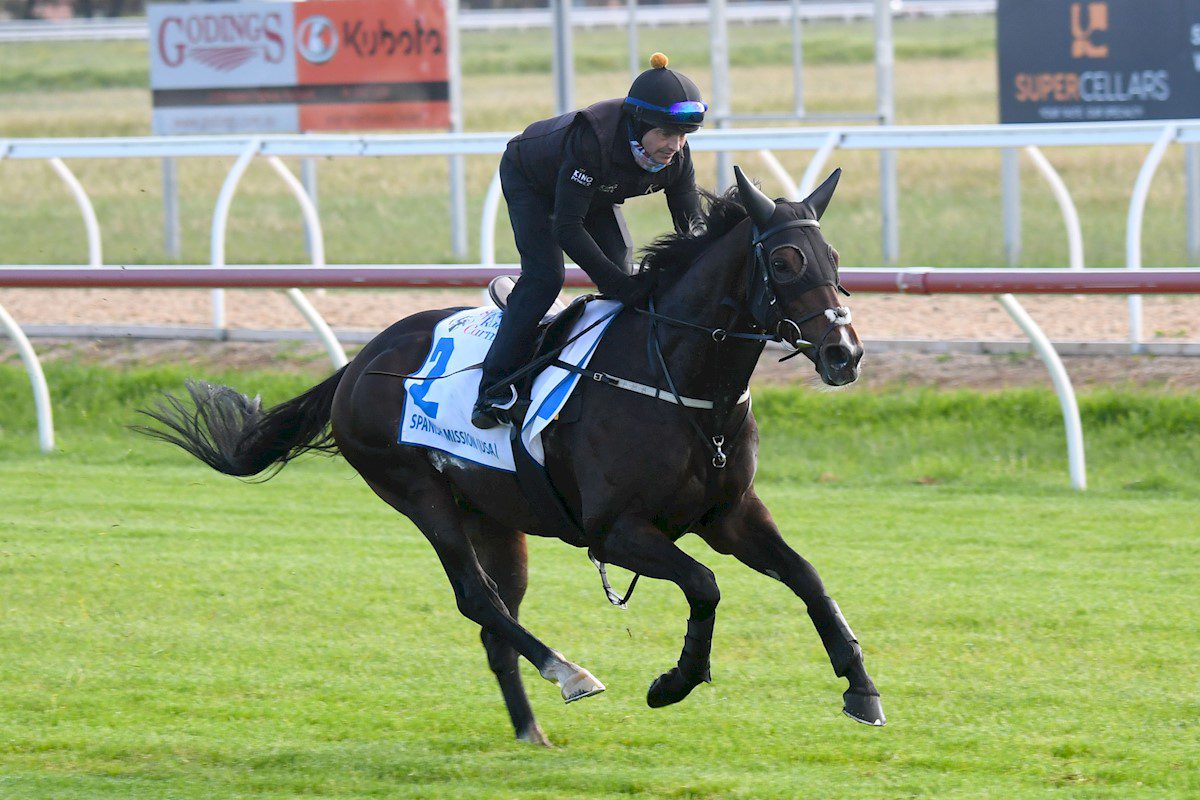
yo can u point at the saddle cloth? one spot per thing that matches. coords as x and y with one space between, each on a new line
437 413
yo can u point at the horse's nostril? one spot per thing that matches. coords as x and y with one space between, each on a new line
837 356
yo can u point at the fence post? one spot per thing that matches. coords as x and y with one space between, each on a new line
1010 201
170 189
1133 227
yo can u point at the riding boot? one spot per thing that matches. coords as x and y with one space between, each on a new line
493 408
510 349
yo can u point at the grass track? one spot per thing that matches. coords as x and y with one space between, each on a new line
168 632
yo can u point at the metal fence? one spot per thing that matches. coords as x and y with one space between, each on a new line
822 141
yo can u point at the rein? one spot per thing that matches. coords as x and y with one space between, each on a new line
769 299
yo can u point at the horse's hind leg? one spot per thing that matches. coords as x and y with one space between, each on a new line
427 501
638 546
501 552
749 534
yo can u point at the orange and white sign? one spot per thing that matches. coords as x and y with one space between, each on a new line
321 65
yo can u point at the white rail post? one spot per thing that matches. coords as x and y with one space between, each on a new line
1042 344
718 46
1191 172
631 34
885 106
780 172
1133 227
457 162
487 228
316 240
172 243
41 392
85 208
812 173
1010 203
1065 204
33 366
815 165
221 223
1076 461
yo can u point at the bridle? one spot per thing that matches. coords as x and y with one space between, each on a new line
762 303
763 297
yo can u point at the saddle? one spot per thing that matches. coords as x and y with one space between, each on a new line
553 331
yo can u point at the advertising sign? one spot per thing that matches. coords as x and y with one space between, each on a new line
322 65
1098 60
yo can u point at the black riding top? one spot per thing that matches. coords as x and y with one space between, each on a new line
583 161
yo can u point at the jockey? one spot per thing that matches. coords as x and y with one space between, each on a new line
564 180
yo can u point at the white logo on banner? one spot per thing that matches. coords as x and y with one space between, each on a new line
317 39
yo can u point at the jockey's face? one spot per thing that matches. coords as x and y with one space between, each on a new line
663 143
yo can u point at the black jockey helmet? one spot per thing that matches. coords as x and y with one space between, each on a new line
664 98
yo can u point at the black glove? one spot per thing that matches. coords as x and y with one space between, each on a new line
634 292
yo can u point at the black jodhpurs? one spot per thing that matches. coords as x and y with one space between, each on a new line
542 272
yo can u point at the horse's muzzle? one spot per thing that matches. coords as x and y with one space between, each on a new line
837 362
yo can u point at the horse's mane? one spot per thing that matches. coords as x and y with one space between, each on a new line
670 255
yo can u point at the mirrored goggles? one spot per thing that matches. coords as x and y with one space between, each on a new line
690 112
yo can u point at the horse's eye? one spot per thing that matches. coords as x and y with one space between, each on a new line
787 270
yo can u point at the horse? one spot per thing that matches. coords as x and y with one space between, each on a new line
760 270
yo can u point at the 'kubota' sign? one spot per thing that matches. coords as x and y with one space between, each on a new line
290 67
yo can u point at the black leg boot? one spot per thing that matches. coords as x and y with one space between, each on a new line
861 700
691 670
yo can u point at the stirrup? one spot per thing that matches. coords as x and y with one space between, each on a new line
490 411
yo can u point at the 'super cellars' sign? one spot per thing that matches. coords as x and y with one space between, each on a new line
1098 60
286 67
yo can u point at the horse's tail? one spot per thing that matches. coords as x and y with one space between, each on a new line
232 434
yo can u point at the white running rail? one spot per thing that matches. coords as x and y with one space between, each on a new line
822 141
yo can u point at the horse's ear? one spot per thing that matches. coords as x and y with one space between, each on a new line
821 196
758 204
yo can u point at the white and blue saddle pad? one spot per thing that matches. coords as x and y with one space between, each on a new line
437 413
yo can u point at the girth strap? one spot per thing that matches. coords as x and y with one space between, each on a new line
641 388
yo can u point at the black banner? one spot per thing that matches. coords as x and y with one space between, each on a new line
1098 60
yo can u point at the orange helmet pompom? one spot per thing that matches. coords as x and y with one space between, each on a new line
658 61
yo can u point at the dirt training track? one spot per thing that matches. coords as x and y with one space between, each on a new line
1170 319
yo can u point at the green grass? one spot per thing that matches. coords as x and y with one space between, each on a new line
38 66
169 632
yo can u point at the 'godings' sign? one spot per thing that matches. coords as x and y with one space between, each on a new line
1098 60
287 67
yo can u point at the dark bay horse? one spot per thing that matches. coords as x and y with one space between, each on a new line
762 270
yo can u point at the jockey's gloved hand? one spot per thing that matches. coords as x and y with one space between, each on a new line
634 291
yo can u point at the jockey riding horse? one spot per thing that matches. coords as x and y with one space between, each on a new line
564 180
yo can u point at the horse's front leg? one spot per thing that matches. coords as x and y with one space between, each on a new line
749 533
638 546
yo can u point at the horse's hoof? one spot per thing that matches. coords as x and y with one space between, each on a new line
533 734
864 708
671 687
580 685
